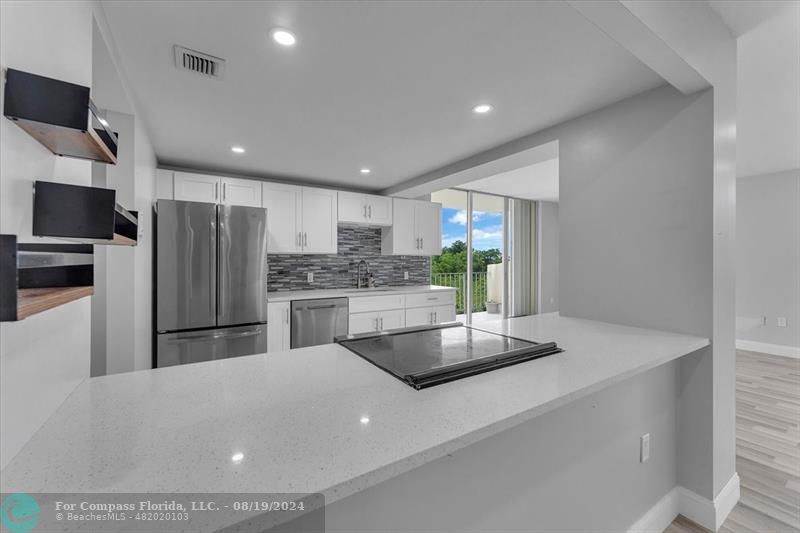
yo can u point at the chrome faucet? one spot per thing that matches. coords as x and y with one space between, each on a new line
366 271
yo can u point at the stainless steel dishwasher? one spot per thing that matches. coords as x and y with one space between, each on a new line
318 321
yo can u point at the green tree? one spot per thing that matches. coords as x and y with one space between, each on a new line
454 259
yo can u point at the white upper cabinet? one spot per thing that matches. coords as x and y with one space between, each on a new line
164 184
416 229
241 192
192 187
196 187
320 213
428 226
355 208
284 205
300 220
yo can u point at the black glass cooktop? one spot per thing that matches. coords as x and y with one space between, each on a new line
428 356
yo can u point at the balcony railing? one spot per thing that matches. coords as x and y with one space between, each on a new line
458 280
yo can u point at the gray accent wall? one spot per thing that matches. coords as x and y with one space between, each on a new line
290 272
768 258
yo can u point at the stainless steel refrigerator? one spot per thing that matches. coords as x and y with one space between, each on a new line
211 281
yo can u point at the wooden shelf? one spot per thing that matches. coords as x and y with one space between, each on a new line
32 301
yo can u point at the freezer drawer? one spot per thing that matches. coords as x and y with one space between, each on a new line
210 344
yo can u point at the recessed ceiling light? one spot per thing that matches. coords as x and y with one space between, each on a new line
237 149
365 171
237 457
365 420
283 37
482 109
103 121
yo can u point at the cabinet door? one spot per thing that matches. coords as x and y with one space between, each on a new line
196 187
402 236
319 221
428 223
363 323
419 316
352 208
284 208
379 210
164 184
278 331
241 192
444 313
391 319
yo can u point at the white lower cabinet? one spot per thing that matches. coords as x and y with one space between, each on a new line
279 329
430 316
376 321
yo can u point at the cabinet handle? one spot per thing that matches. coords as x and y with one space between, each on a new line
417 243
421 243
365 210
381 323
216 191
436 317
224 191
286 312
376 324
370 212
305 238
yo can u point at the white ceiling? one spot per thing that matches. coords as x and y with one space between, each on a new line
386 85
742 16
534 182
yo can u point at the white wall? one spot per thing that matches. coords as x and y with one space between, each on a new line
122 318
768 84
548 257
44 357
768 258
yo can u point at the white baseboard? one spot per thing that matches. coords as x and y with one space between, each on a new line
707 513
659 516
763 347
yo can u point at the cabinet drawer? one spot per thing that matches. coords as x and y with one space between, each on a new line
376 321
362 304
430 299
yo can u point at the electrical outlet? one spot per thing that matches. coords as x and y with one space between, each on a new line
782 322
405 275
310 277
644 448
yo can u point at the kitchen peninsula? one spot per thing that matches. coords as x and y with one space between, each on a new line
322 420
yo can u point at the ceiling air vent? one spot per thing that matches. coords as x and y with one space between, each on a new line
198 62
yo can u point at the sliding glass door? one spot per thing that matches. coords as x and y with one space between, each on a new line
474 233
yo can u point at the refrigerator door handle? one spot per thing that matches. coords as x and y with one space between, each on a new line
214 337
212 270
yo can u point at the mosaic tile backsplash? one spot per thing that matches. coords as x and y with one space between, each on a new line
289 272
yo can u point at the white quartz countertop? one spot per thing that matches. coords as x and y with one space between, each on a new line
286 296
317 419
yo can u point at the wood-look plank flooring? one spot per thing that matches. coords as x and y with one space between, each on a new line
767 447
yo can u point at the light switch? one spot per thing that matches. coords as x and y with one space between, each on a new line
782 322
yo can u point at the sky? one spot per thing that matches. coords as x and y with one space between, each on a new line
487 228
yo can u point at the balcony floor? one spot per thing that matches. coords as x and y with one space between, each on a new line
482 317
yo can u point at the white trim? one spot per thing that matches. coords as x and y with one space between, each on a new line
696 508
658 517
727 499
763 347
